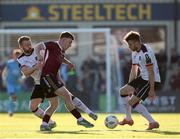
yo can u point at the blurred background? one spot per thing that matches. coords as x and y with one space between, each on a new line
102 59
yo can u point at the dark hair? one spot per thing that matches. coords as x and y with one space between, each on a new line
23 38
66 35
132 35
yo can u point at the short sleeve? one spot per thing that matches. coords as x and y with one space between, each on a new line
21 63
148 59
134 58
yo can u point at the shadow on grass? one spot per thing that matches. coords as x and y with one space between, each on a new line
98 132
158 132
71 132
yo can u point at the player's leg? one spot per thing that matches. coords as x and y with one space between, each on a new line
12 102
51 83
53 86
125 93
65 94
80 105
36 99
34 107
142 94
53 104
18 90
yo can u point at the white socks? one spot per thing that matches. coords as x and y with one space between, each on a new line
144 112
139 108
127 107
80 119
80 105
39 113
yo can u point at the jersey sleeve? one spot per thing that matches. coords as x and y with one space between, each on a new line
134 59
21 63
148 58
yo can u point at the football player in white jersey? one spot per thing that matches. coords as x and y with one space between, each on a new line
31 67
142 85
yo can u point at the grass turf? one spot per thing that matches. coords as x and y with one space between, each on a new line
27 126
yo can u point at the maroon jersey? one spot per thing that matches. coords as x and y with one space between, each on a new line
53 58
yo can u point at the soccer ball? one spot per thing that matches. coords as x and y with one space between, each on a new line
111 121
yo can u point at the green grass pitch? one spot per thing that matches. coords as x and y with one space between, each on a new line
27 126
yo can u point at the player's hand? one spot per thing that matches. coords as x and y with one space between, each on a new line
40 58
71 66
151 94
39 65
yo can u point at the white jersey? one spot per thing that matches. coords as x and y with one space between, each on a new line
30 61
144 58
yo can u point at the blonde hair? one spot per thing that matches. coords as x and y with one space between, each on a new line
23 38
132 35
17 51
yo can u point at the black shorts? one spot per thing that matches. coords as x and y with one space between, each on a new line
50 83
39 92
142 87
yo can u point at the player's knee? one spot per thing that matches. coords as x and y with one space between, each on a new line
67 97
122 93
33 107
54 105
133 103
69 104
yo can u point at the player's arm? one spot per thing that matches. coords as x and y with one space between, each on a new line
37 49
4 73
134 68
69 63
59 78
151 81
27 71
134 72
149 66
151 76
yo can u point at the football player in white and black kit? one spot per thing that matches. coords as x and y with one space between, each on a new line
31 67
142 85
